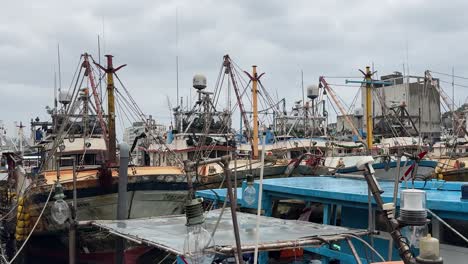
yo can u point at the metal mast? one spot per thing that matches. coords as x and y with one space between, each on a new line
255 112
446 100
112 158
228 66
369 127
97 100
254 78
369 85
337 102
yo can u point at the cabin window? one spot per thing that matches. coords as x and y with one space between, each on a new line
295 154
213 154
89 159
66 162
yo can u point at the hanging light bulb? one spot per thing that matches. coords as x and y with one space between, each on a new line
250 193
60 211
198 239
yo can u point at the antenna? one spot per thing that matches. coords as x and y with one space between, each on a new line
59 70
302 85
55 88
407 61
453 96
177 51
99 61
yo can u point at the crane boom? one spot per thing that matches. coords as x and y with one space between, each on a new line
227 65
89 73
446 100
342 110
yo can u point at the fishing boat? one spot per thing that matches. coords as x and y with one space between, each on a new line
80 142
392 151
204 131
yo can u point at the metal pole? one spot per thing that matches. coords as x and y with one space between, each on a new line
72 229
235 176
353 250
453 98
122 211
395 197
111 110
259 201
227 174
403 249
255 113
57 164
397 182
368 107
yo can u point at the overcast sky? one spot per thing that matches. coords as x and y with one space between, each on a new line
332 38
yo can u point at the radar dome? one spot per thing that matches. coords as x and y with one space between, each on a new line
312 91
199 81
64 97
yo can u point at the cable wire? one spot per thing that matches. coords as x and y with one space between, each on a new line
368 245
34 227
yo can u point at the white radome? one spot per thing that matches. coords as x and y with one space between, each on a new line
199 81
64 97
312 91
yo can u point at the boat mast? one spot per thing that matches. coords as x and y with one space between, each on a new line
255 112
368 78
111 110
110 71
369 86
326 86
97 99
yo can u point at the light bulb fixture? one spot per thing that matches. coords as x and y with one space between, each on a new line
198 239
429 251
414 234
413 207
60 211
249 196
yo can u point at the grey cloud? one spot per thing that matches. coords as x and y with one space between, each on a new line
281 37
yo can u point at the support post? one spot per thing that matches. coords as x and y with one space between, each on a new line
233 202
403 248
111 110
122 211
353 250
369 120
110 71
255 113
72 229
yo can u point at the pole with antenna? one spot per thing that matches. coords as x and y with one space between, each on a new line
303 101
55 89
59 69
407 62
453 97
177 52
99 62
302 86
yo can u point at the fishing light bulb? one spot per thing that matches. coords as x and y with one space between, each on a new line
196 243
413 200
250 193
413 207
60 210
429 251
198 239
